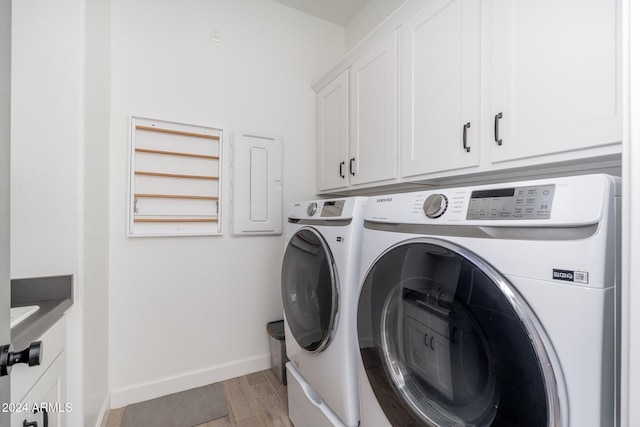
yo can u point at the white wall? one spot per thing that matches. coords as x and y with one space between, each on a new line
185 311
371 15
47 174
96 211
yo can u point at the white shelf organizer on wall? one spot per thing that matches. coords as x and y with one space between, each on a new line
256 185
175 184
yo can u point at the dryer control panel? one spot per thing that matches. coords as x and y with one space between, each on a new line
530 202
327 210
332 208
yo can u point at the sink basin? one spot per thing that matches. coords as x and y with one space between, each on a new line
18 314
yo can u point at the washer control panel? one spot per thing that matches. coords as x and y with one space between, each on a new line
530 202
560 201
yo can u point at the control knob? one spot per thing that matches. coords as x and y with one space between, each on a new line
435 205
312 208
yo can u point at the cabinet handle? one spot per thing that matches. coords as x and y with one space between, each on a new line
31 355
464 137
353 159
428 341
45 420
496 128
340 170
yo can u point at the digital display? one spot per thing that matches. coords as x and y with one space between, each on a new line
533 202
332 208
503 192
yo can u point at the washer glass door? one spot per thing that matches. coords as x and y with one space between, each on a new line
447 341
309 290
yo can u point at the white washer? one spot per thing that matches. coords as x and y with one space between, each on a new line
492 305
320 291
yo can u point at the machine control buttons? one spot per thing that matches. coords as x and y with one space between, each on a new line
435 205
530 202
332 208
312 208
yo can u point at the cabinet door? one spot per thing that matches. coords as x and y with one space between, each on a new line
332 109
53 343
555 76
374 112
47 398
441 88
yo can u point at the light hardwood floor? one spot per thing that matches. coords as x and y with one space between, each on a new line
254 400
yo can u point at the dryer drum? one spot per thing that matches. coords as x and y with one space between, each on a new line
443 345
309 290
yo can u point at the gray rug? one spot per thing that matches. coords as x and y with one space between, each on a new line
185 409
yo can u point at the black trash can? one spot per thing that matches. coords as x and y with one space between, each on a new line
278 349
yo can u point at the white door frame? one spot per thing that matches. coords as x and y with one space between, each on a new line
630 369
5 134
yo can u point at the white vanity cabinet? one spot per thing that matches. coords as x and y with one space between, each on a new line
357 115
554 77
42 387
441 88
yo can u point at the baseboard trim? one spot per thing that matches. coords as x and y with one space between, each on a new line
141 392
103 418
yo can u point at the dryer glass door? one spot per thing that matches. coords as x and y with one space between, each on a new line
309 290
446 341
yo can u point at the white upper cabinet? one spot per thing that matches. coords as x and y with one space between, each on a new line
441 88
554 76
332 127
374 114
357 116
482 87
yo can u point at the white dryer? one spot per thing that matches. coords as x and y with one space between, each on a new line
320 285
492 305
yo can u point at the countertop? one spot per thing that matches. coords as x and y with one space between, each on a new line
53 294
